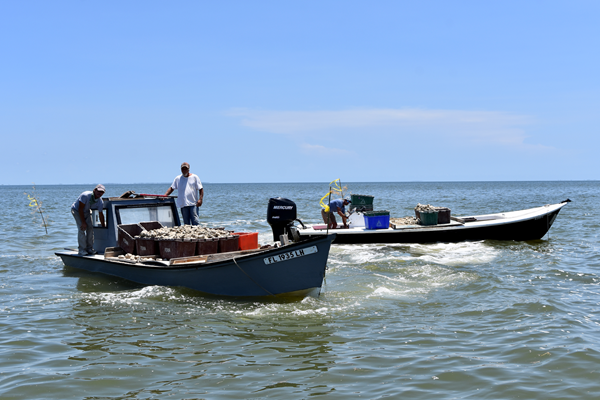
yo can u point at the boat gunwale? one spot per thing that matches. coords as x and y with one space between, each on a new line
195 265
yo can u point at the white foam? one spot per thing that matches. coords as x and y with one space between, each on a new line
133 296
454 254
389 293
415 282
451 254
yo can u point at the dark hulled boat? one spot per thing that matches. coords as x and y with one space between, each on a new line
293 269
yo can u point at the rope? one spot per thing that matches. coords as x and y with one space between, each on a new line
256 283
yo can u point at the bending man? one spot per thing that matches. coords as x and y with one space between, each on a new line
82 212
336 206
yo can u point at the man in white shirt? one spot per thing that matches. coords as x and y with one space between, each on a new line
190 194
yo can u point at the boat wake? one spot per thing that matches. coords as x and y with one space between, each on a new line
450 254
409 272
133 296
455 254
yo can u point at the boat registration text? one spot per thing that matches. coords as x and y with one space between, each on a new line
291 254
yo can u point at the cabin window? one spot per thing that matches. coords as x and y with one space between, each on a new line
96 219
133 215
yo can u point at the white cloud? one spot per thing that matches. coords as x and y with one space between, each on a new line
483 127
319 150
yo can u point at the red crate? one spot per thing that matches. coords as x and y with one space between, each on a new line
247 240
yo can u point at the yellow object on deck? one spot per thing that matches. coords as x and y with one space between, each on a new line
334 186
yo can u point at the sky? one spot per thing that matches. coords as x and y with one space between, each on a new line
290 91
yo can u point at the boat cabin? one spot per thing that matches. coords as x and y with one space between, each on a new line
132 211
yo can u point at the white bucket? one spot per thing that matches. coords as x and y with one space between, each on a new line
356 220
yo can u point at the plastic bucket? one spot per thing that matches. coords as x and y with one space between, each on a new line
361 200
228 243
377 213
146 246
443 215
377 222
126 237
176 248
151 225
429 217
207 246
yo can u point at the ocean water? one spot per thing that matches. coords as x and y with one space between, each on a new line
476 320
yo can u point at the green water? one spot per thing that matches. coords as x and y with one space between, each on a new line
494 320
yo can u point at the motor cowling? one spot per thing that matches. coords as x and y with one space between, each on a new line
281 214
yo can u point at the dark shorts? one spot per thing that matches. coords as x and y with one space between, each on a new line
329 214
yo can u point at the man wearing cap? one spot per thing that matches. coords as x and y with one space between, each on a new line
190 194
82 212
336 206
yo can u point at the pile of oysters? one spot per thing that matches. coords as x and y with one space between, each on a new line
131 257
425 208
405 221
185 232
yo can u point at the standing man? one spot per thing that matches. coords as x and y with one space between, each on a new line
82 212
189 194
336 206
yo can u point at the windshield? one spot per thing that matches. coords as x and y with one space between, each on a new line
160 213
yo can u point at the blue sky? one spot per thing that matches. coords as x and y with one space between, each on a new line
274 91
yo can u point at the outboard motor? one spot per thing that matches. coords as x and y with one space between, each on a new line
281 214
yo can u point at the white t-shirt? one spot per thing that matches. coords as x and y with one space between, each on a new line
187 190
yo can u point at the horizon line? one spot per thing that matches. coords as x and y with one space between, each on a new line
315 182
